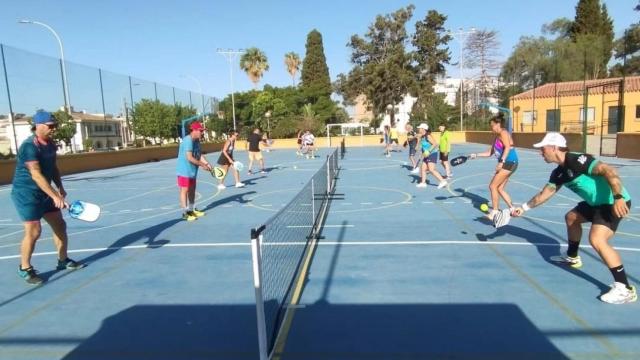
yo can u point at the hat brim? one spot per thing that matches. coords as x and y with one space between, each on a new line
539 145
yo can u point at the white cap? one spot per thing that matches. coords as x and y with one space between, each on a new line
552 139
423 126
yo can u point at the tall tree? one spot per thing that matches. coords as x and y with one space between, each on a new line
627 51
254 62
383 69
315 78
66 127
430 55
592 25
292 62
482 50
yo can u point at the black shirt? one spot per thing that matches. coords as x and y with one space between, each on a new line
254 141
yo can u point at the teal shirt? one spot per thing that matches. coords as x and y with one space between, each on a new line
184 167
576 174
32 150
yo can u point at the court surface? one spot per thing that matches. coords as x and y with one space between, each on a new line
399 273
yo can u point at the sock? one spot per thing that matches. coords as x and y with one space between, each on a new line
190 207
572 251
619 275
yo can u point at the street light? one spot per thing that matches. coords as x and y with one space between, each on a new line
460 35
230 55
65 85
199 89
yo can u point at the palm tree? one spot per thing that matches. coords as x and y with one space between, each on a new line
293 62
254 62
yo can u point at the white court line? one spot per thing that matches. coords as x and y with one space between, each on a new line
366 203
386 202
449 202
427 202
321 243
346 203
324 226
5 220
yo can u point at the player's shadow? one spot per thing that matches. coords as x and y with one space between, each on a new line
476 200
546 246
239 198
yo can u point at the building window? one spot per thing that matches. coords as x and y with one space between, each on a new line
529 117
591 115
637 112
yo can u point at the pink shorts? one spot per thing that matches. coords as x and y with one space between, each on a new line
186 182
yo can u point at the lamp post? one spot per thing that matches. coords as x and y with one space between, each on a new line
199 89
65 85
460 35
268 116
230 55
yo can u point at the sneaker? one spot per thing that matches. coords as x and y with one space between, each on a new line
189 216
221 187
449 176
388 155
421 185
30 275
262 172
197 213
249 172
574 262
239 185
68 264
442 184
492 214
619 294
415 170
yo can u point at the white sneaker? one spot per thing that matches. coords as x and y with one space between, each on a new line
492 214
415 170
574 262
450 176
239 185
619 294
442 184
221 187
421 185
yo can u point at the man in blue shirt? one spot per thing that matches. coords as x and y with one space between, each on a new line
35 198
190 158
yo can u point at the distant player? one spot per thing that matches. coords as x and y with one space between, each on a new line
411 142
606 203
429 148
299 141
308 144
393 138
445 149
226 160
190 158
253 142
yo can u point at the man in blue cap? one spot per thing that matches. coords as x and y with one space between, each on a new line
35 198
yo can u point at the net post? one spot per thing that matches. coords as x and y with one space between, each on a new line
329 174
313 206
256 260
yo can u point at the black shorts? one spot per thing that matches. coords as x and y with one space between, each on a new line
222 160
299 141
510 166
600 214
395 140
444 156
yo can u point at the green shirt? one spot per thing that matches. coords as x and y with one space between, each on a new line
445 145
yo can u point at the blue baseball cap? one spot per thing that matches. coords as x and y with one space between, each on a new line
43 117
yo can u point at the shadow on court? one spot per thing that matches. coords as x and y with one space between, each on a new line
174 332
319 331
416 331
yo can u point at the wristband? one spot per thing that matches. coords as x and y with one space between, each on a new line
525 207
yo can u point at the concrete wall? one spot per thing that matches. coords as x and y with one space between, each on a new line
522 140
628 145
75 163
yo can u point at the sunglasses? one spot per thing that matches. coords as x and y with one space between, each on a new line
52 126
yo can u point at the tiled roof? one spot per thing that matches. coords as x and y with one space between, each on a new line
574 88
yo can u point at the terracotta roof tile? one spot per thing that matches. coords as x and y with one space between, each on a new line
574 88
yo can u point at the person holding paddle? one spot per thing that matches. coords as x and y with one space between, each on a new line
507 156
34 197
190 158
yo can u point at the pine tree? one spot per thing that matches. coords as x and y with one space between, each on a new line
315 73
592 21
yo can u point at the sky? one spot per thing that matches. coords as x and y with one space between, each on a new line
173 42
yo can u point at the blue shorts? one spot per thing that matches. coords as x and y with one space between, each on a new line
31 205
432 158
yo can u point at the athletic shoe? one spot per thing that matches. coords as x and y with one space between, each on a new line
68 264
189 216
492 214
415 170
249 172
30 275
239 185
262 172
574 262
197 213
442 184
421 185
450 176
388 155
221 187
619 294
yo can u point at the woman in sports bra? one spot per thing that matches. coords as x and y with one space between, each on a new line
226 160
507 157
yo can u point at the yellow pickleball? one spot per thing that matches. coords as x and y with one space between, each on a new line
484 207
